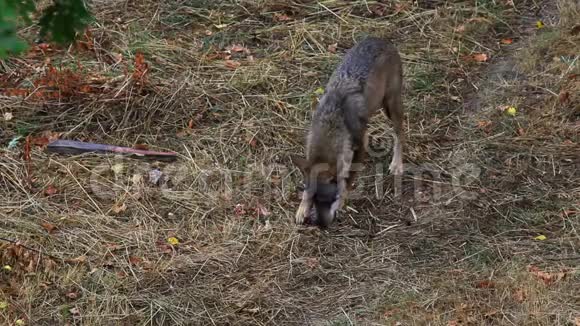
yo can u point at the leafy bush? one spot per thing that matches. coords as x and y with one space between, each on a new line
59 22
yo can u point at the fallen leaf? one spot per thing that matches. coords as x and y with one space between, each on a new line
507 41
238 48
220 26
72 295
312 262
50 190
541 237
389 313
141 146
511 111
563 97
19 322
133 260
239 210
253 142
79 260
3 304
117 57
485 284
75 311
118 207
281 17
51 135
484 124
577 321
39 141
521 131
140 67
540 24
519 295
262 210
165 248
49 227
460 29
332 48
8 116
547 278
480 57
173 241
7 268
319 91
232 64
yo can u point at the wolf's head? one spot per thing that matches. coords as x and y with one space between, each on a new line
320 186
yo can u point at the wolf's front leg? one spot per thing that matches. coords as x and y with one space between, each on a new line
340 197
304 208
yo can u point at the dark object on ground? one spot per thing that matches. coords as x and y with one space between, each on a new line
78 147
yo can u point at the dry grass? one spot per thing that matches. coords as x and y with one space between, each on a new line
449 251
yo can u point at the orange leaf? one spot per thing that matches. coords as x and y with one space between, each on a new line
281 17
563 97
39 141
49 227
232 64
519 295
480 57
86 89
140 67
485 284
79 260
238 48
548 278
119 208
506 41
50 190
15 92
483 124
44 46
133 260
51 135
72 295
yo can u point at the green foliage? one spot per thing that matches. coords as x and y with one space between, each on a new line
10 10
59 22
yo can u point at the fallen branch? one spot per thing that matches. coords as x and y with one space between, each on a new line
78 147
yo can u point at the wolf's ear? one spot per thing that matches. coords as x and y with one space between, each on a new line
301 163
